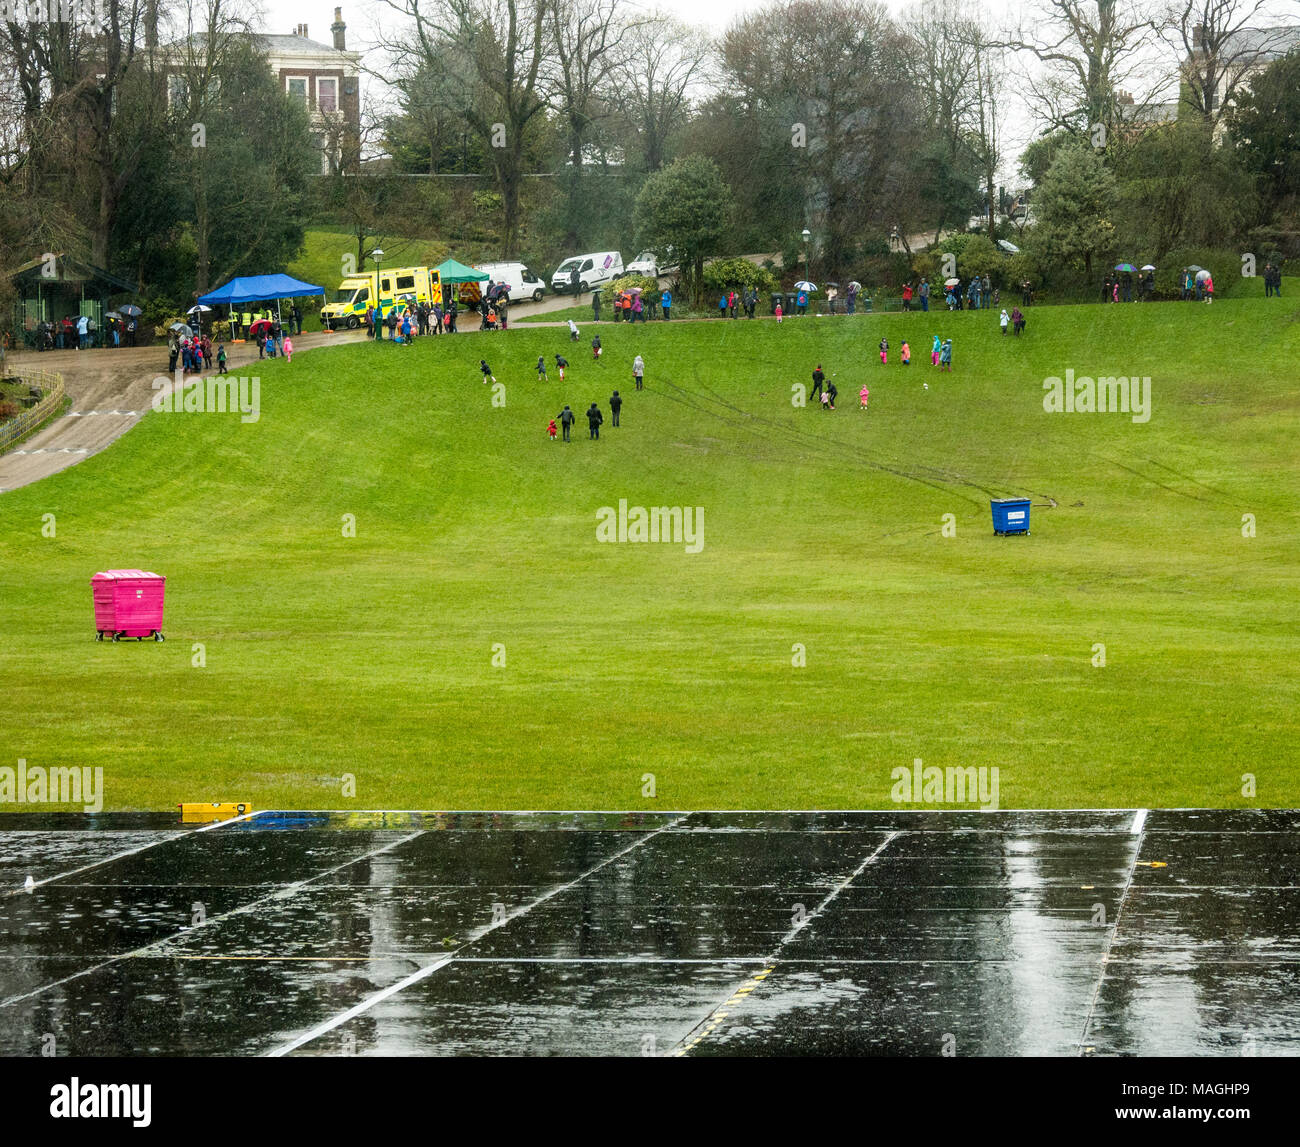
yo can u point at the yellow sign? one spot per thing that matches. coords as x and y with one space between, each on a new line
217 810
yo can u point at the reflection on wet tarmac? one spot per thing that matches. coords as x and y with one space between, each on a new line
876 933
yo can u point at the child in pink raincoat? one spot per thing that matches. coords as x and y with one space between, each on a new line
288 349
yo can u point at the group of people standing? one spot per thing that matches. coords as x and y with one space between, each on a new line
980 294
241 322
730 302
1272 280
409 321
562 423
634 306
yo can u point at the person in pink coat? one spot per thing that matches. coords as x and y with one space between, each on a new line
288 349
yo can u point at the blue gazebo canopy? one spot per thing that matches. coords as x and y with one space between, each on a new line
259 289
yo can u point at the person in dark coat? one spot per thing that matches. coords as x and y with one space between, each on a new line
833 393
819 380
615 405
567 419
594 419
595 306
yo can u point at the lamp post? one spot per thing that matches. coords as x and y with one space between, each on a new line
378 329
807 239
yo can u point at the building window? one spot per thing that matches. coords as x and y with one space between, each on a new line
327 94
296 86
175 90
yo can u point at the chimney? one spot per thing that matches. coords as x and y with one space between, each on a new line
339 28
1198 36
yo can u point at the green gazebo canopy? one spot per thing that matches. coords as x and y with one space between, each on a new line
454 272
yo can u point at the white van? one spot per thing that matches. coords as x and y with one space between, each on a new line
522 282
594 269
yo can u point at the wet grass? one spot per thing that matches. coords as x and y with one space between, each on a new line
371 657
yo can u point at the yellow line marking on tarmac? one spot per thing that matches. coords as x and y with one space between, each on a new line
720 1013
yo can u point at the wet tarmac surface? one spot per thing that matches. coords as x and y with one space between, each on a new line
875 933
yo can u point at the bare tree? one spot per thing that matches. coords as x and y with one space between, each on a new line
989 72
1091 49
1219 49
590 44
499 50
654 89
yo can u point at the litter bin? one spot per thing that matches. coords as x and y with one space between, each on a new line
791 302
128 603
778 300
1010 515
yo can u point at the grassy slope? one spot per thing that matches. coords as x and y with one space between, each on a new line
371 655
321 261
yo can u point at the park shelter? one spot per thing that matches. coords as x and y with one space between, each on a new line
56 285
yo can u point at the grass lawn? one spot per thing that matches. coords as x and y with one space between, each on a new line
373 656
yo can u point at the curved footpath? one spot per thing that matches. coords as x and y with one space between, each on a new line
111 390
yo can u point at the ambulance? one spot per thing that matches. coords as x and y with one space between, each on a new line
400 287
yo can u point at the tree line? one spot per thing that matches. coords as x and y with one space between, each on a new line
538 128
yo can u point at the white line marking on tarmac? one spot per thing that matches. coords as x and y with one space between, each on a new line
478 934
681 1047
834 892
1139 834
279 894
171 836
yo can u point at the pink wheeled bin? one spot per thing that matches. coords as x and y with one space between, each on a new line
128 603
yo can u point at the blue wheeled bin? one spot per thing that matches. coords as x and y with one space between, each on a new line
1010 515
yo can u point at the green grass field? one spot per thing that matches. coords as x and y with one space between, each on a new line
372 656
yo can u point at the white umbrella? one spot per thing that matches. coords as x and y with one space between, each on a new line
951 282
1201 276
1009 248
804 285
1148 267
855 285
198 309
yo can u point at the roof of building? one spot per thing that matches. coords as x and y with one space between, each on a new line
270 43
1269 43
294 45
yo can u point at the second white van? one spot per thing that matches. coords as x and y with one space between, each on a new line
594 269
522 282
